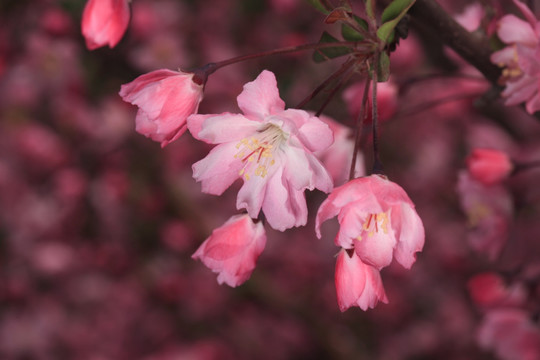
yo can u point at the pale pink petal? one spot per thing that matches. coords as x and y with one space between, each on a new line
252 194
520 90
351 219
227 127
376 245
350 279
504 56
233 249
260 98
528 60
284 206
218 170
195 121
410 235
321 179
315 134
373 290
326 211
296 168
514 30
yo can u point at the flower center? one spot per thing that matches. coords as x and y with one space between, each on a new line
374 223
257 151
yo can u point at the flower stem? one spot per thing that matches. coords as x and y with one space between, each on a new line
358 128
347 65
358 45
377 165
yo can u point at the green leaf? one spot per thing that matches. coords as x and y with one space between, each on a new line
321 55
317 4
395 11
351 34
383 72
370 9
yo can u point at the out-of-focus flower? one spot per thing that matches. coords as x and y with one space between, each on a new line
489 209
233 249
337 157
386 99
489 166
489 289
270 148
165 99
357 284
520 59
104 22
510 334
377 219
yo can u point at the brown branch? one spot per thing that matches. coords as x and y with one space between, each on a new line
473 47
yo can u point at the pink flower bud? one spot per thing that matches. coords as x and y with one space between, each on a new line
489 166
165 99
357 284
104 22
233 249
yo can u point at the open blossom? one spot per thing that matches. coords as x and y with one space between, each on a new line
104 22
165 99
489 166
377 219
357 284
269 148
520 59
233 249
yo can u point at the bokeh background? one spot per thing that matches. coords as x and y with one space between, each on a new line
98 223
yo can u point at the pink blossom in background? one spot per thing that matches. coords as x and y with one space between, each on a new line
510 334
520 58
337 157
104 22
165 99
357 284
233 249
377 219
489 210
489 166
386 99
269 148
490 290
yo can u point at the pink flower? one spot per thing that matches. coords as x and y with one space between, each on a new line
489 166
520 59
233 249
357 284
269 148
377 219
510 334
104 22
489 210
489 289
165 99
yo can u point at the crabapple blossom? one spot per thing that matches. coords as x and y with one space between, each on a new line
521 72
489 166
377 219
233 249
104 22
165 99
269 148
357 284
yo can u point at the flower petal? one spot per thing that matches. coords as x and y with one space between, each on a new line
350 279
411 236
260 98
218 170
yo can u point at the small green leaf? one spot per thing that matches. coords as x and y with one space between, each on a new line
351 34
321 55
317 4
387 28
383 72
394 9
370 9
